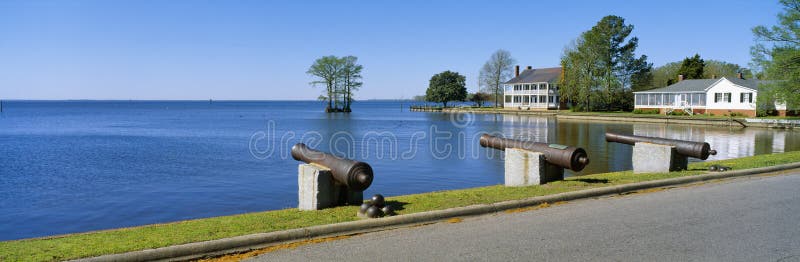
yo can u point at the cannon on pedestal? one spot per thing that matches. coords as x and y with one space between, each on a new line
699 150
353 174
328 180
659 155
529 162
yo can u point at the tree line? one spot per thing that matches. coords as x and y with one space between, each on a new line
600 69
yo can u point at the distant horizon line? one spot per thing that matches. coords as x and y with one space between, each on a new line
199 100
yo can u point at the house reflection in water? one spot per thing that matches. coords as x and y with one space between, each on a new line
729 142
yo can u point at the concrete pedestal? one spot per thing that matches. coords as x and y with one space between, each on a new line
525 168
655 158
318 190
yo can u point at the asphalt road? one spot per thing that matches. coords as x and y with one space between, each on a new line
745 219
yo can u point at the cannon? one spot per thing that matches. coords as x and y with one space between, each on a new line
569 157
699 150
355 175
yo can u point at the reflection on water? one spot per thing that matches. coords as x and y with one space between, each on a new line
605 157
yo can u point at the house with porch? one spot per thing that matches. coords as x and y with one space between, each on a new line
533 89
721 96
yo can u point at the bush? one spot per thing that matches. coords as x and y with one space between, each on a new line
678 113
737 114
646 111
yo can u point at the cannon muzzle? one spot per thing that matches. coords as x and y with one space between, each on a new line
699 150
356 175
569 157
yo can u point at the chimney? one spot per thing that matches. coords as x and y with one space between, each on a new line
530 67
739 75
713 76
680 78
516 71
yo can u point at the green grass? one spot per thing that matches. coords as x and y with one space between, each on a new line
160 235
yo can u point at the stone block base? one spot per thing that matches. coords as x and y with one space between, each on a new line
655 158
525 168
318 190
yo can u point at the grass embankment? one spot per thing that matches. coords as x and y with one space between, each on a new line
161 235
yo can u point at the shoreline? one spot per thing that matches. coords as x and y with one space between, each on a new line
735 122
216 235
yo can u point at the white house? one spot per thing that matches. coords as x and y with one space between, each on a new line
697 96
533 89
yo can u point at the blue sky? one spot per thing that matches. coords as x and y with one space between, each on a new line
260 50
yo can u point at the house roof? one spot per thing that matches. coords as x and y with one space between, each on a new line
701 85
549 75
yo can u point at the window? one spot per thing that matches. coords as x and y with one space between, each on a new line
542 99
727 97
550 99
746 98
508 99
717 97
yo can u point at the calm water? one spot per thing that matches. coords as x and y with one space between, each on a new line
74 166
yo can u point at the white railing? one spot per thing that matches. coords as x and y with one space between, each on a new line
528 92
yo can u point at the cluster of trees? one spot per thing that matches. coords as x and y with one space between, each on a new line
450 86
341 76
776 56
600 67
693 68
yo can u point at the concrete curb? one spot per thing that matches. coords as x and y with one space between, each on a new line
260 240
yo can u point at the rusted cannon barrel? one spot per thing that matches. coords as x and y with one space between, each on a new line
569 157
356 175
699 150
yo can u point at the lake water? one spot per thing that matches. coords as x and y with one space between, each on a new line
74 166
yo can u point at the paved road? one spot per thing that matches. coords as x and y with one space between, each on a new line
746 219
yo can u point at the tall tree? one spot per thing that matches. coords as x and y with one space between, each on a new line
602 61
692 67
777 55
496 71
351 79
446 86
328 70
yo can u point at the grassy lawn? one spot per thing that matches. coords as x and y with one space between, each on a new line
160 235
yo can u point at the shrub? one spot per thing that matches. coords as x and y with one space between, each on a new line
678 113
646 111
737 114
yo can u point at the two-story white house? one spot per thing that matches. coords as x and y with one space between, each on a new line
721 96
533 89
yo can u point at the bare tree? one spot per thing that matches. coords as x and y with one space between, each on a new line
496 71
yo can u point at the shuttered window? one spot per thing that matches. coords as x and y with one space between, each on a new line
746 98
